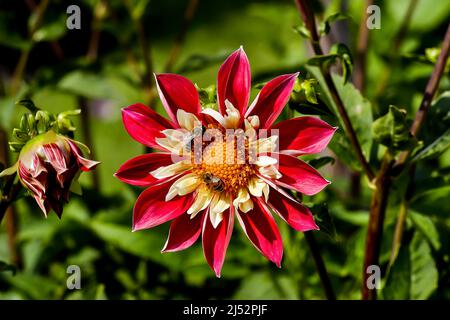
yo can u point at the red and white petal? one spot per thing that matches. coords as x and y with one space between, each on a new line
136 171
219 203
202 200
215 240
243 200
172 169
144 125
295 214
262 230
187 120
258 187
271 100
183 233
85 164
233 82
300 176
152 209
303 135
177 92
183 186
263 145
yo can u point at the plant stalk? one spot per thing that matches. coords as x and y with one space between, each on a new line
308 18
390 168
320 265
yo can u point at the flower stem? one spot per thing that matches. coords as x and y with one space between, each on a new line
398 232
390 168
320 265
401 218
307 15
376 219
430 90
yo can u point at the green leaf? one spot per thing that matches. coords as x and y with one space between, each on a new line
424 274
51 31
322 161
7 267
426 226
27 103
398 280
338 51
10 37
359 111
264 285
325 26
392 130
207 95
100 293
435 149
138 8
324 219
324 60
36 286
143 244
303 31
308 86
345 56
414 274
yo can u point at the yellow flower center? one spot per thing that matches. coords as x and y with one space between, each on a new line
224 166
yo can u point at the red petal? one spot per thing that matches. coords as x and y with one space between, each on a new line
271 100
261 229
215 241
295 214
144 125
85 164
152 209
136 171
299 175
233 82
177 92
183 232
304 135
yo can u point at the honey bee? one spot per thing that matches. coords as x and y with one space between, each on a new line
213 182
197 132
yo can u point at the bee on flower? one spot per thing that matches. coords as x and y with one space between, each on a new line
212 166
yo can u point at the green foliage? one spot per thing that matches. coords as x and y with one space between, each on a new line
324 219
340 52
359 110
392 130
435 149
414 274
7 267
325 26
322 161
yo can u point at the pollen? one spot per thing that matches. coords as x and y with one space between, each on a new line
227 161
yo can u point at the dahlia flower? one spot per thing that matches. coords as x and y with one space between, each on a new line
48 166
214 166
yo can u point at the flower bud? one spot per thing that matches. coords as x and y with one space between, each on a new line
48 166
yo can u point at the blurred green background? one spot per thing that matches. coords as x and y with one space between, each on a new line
102 68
